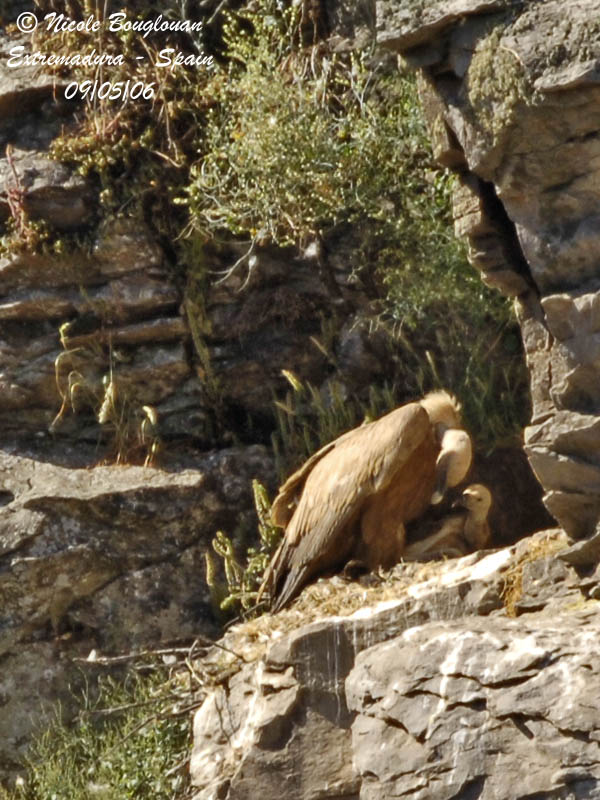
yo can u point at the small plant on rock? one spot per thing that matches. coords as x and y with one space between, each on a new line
238 592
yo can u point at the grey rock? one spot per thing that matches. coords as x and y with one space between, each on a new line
35 271
122 246
109 559
124 325
33 681
278 707
513 104
23 87
478 708
585 553
547 582
402 26
48 190
264 316
428 690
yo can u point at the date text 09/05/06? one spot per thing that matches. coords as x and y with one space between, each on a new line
168 57
120 90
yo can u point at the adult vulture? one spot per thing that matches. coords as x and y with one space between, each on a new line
351 499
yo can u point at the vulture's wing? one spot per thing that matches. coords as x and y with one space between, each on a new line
360 463
285 503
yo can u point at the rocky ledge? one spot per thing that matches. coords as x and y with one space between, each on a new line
108 559
470 678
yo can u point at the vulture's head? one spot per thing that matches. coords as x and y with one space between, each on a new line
443 410
456 450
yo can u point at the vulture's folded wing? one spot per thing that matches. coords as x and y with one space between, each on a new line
285 503
356 466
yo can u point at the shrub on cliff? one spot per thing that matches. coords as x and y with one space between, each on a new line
301 140
129 739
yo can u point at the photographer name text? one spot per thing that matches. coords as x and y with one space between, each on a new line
59 23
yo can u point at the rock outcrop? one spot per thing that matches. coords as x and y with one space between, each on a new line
108 559
422 686
446 711
511 92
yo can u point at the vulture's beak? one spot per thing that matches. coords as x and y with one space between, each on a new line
460 502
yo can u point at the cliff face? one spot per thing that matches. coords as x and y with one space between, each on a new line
107 352
470 679
420 685
98 342
512 96
115 309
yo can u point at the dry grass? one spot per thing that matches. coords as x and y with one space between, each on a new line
329 597
528 550
334 597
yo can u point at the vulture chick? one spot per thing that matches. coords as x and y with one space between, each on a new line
352 498
460 532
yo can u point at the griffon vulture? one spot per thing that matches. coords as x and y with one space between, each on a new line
352 498
462 531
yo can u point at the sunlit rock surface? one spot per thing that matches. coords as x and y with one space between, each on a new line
474 677
512 93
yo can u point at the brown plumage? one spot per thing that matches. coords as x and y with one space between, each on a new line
352 498
462 531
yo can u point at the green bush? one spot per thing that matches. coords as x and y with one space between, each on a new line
300 141
238 593
131 741
287 143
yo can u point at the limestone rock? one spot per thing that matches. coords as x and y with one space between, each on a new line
417 685
445 710
513 103
585 553
265 315
279 708
110 558
23 87
406 25
49 191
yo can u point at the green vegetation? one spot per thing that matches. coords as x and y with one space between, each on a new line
239 591
496 72
129 740
297 141
287 142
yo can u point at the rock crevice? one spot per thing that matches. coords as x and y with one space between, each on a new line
513 104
